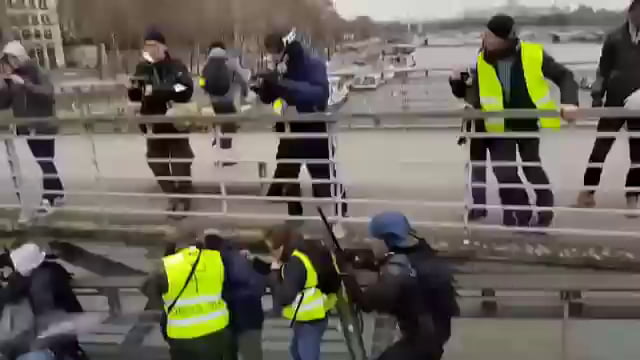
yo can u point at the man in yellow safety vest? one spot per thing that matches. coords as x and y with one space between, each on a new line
190 284
304 281
512 74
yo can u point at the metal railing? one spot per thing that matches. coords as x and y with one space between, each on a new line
337 124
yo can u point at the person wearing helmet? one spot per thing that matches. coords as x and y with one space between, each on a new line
414 286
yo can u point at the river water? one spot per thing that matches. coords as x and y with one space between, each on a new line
434 92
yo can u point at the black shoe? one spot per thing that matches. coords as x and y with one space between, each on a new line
477 214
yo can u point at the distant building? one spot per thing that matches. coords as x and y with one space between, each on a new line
35 23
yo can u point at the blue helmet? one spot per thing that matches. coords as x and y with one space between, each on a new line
393 228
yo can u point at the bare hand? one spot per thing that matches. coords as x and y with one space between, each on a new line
16 79
456 73
569 112
247 254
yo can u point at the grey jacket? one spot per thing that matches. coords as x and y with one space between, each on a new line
34 98
240 83
618 72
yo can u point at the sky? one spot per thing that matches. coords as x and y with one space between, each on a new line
433 9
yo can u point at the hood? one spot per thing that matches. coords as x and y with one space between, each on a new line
295 52
218 53
393 228
16 49
27 258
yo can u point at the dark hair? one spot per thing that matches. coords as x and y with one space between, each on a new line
217 44
634 4
274 41
281 235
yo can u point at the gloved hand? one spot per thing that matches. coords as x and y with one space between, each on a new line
5 259
17 286
462 140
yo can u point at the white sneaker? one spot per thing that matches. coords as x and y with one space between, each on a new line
339 231
45 209
632 204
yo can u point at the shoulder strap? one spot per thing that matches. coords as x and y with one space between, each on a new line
193 270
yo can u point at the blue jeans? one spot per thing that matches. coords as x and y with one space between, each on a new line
307 338
37 355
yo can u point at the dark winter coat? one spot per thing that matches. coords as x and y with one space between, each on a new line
618 73
162 76
416 287
305 85
34 98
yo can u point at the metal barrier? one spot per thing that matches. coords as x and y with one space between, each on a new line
338 124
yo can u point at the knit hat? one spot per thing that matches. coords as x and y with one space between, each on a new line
502 26
27 258
393 228
154 34
15 48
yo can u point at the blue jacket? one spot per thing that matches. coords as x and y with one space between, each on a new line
244 289
305 83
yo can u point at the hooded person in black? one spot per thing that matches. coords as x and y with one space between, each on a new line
158 82
28 91
47 286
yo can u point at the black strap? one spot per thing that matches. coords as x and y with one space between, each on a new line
295 313
193 271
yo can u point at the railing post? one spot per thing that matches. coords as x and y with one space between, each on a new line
14 166
468 196
89 128
217 138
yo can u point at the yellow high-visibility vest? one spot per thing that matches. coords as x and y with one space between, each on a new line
278 106
315 304
200 310
491 93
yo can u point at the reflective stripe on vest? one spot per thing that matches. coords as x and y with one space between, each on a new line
491 94
315 304
200 310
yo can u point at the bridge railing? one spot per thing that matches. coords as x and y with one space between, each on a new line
343 128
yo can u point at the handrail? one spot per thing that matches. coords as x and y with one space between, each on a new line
419 117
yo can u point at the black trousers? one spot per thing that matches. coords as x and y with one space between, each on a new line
409 350
299 149
216 346
506 150
46 148
603 145
227 128
180 149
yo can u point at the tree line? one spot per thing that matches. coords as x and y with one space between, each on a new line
123 22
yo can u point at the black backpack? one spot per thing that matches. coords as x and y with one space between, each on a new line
328 278
217 77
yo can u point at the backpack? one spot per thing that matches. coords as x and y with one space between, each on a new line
328 278
217 77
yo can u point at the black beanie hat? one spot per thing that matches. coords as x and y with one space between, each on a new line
502 26
154 34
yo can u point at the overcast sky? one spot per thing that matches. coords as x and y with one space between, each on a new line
399 9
